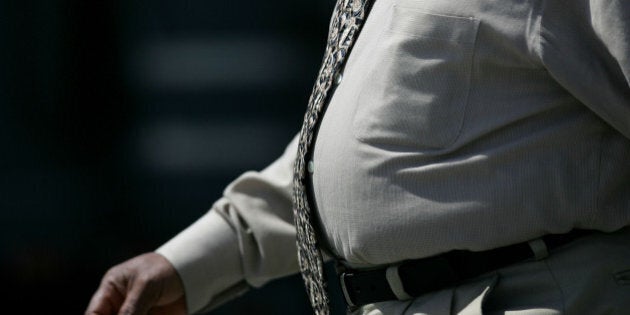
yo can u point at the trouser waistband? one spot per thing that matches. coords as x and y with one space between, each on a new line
413 278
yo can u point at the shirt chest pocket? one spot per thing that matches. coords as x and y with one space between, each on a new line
415 92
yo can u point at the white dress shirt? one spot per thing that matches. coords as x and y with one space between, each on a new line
455 125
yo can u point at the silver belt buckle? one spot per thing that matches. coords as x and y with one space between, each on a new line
344 289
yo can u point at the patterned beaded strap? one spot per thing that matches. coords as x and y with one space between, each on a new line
347 19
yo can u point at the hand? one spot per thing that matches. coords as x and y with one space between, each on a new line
146 284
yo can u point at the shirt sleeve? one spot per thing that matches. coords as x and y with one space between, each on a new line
246 239
585 46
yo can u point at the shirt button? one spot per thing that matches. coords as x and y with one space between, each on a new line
311 166
338 78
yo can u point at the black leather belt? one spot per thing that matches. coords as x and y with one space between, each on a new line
415 277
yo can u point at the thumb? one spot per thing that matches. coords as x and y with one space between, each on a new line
176 308
142 294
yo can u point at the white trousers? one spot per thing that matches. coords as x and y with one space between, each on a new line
589 276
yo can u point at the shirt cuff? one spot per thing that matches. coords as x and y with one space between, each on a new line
207 258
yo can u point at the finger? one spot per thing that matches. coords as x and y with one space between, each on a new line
142 295
105 301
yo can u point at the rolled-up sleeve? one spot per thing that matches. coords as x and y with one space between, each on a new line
585 45
246 239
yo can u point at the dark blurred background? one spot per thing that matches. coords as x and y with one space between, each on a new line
122 121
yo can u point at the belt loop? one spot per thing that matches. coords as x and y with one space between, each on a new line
539 248
395 283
